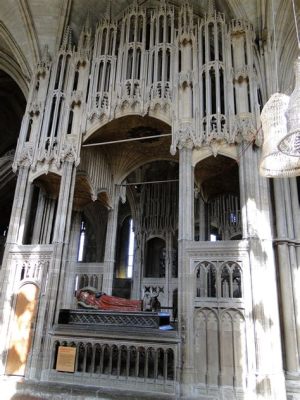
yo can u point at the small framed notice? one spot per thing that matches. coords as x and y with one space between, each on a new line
65 361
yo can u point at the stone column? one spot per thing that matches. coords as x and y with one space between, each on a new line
186 194
8 270
18 205
267 374
288 271
51 302
38 223
110 244
65 202
137 273
202 220
185 279
296 250
48 220
69 300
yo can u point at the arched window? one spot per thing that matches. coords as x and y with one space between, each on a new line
58 72
225 282
211 36
58 116
131 28
51 116
29 130
100 73
107 77
103 44
161 29
125 250
129 64
211 281
220 42
138 64
140 29
168 65
70 122
66 71
76 77
154 32
222 98
111 42
212 77
236 282
159 65
152 67
206 285
169 29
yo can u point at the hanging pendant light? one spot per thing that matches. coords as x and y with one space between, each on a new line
281 126
290 144
274 163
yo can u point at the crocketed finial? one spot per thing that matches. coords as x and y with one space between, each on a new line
211 7
107 14
67 39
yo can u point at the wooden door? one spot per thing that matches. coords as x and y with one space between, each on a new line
22 330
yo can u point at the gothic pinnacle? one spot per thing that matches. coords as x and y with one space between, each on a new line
211 7
107 14
67 39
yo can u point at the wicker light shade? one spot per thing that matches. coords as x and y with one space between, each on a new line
290 144
274 163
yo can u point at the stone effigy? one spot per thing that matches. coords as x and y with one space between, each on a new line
88 297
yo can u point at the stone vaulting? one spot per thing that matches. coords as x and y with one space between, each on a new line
129 163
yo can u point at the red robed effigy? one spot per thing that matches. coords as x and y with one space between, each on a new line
89 298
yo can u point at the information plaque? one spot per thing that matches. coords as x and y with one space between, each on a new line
66 359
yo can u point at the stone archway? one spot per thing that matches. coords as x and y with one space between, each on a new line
217 206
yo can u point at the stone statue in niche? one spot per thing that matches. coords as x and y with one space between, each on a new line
147 302
155 303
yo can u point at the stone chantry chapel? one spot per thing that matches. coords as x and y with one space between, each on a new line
130 143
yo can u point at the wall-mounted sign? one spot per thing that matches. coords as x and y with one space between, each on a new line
66 359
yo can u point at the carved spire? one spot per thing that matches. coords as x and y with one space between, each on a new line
67 39
211 8
44 61
87 25
45 58
107 14
186 17
85 35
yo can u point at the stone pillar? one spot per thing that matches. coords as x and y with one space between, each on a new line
61 236
8 270
186 194
65 203
137 273
296 250
288 271
48 220
267 374
185 278
241 87
69 300
38 223
110 244
202 220
18 206
51 302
